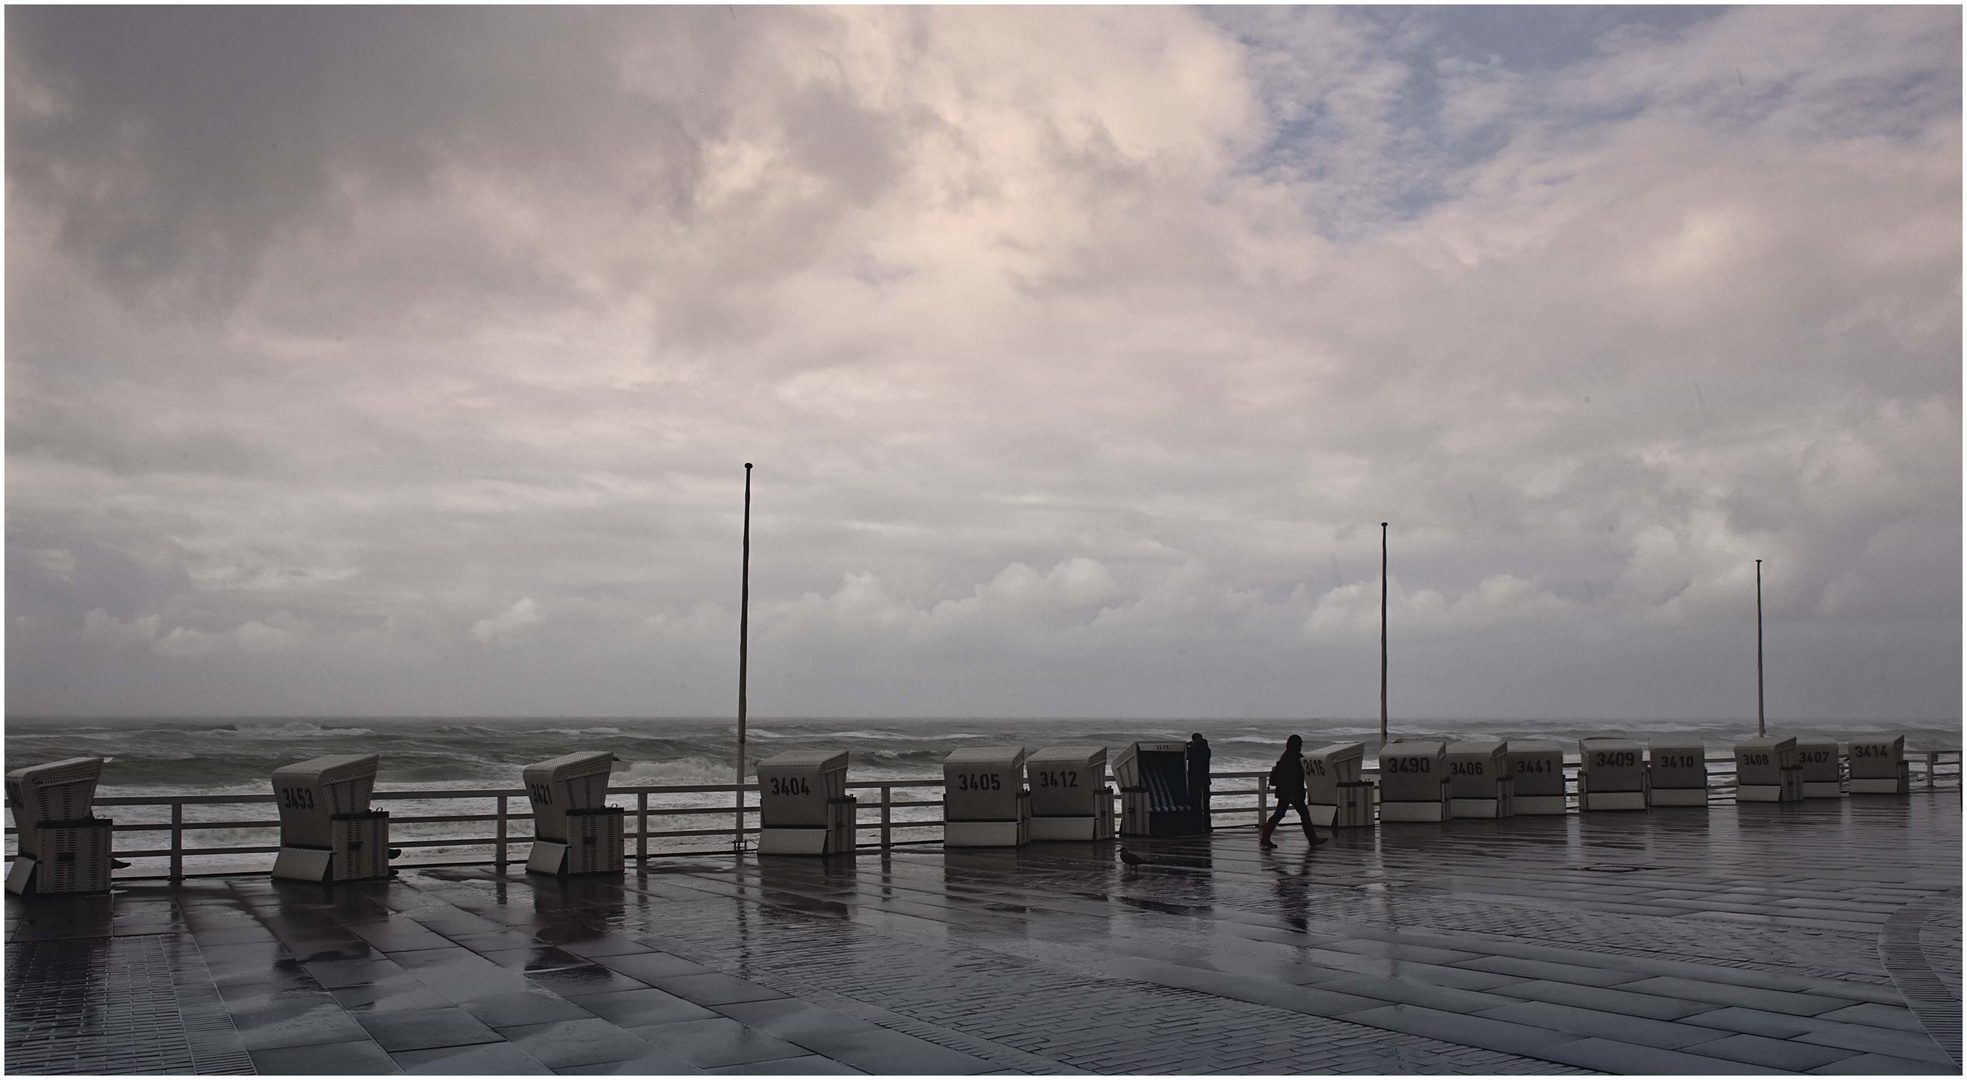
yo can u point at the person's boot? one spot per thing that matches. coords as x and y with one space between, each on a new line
1311 835
1263 835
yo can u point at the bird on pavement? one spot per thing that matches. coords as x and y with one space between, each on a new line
1130 858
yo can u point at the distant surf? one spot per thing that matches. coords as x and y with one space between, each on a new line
210 756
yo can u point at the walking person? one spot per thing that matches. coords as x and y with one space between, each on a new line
1287 782
1198 779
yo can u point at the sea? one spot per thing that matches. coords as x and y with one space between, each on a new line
235 756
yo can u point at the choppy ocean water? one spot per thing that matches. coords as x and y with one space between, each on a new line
151 757
194 756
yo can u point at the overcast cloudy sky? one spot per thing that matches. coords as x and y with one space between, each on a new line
379 361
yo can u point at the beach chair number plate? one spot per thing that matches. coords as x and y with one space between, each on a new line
979 782
790 785
1067 778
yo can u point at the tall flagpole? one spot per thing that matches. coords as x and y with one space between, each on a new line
744 633
1760 729
1382 633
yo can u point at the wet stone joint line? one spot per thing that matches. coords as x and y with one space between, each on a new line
1742 938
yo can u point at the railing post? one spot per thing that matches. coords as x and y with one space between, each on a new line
1932 766
642 826
886 815
177 842
1263 800
498 849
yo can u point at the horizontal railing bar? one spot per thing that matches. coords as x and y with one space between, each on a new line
185 800
1946 757
679 853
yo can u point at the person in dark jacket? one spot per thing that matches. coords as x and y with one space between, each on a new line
1198 778
1287 782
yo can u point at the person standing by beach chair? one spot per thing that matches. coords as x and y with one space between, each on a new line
1287 782
1198 779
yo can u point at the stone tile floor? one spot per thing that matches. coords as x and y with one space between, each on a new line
1822 937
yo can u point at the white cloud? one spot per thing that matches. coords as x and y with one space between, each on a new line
184 641
102 628
511 624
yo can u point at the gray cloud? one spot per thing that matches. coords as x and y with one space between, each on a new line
401 361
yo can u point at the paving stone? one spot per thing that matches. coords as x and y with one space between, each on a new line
398 935
338 974
613 945
1870 1040
360 1057
534 959
398 993
637 1008
234 934
484 1059
1412 993
654 1063
1782 1053
524 1007
1724 994
261 952
1604 1025
1545 970
425 1029
1756 1022
1883 1065
297 1024
585 979
1876 1015
800 1021
1606 1055
1888 996
649 965
563 1043
716 1042
1397 951
251 972
1608 999
499 941
713 988
811 1065
1489 1034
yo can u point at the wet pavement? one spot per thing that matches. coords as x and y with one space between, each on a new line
1820 937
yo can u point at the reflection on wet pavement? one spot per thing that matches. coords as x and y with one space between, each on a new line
1792 937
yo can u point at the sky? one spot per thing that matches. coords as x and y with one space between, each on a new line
376 361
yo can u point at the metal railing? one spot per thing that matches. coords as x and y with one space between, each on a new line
1928 773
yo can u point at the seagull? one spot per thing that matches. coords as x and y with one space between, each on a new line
1131 859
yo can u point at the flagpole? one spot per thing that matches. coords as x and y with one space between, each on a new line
1382 633
744 633
1760 727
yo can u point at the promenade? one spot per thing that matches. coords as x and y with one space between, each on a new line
1820 937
